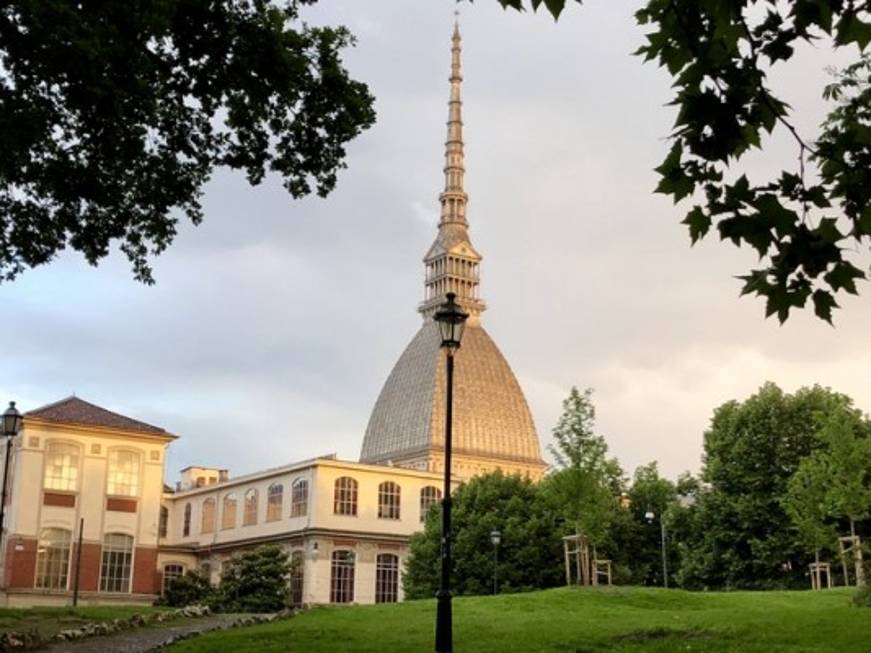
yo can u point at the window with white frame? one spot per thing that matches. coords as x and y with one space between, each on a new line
274 501
164 522
171 572
123 473
429 496
61 466
297 577
53 558
388 500
249 515
115 572
345 496
186 524
228 511
299 498
342 577
386 578
207 521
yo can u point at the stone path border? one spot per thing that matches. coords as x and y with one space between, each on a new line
154 638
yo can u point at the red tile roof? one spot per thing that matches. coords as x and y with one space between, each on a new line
73 410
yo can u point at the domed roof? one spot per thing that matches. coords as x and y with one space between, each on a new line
491 417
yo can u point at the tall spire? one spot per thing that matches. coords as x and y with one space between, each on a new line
452 263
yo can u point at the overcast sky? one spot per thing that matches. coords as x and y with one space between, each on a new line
274 324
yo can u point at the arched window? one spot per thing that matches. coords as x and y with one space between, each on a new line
164 521
53 558
228 512
171 572
123 473
186 525
274 501
345 496
299 498
249 517
208 517
429 496
388 500
61 467
297 577
342 577
117 561
386 578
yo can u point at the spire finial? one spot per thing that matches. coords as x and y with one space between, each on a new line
452 262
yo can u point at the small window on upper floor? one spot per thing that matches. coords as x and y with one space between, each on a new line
274 501
123 477
388 500
345 496
61 466
249 516
299 498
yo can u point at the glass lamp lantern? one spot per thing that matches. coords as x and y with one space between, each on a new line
451 320
495 538
12 421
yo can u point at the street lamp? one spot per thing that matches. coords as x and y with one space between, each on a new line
451 320
496 539
11 426
649 516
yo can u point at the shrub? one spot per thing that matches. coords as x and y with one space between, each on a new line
190 589
862 597
255 581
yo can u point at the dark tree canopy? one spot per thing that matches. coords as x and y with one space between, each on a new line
114 114
805 224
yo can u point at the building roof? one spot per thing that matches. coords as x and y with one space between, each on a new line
73 410
491 416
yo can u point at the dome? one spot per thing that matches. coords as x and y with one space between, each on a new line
493 427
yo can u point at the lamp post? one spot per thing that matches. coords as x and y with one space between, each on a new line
649 516
11 426
496 539
451 320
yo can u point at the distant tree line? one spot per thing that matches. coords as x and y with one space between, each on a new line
783 476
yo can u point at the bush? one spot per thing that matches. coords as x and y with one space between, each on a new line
190 589
862 597
255 581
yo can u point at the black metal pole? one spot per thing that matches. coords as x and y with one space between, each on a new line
78 563
664 557
3 497
495 569
444 620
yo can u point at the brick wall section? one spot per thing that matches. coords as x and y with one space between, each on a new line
89 578
145 576
21 565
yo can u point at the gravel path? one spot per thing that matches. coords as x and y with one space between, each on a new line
141 640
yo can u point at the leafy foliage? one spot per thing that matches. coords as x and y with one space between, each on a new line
719 55
530 555
256 581
191 588
740 534
113 116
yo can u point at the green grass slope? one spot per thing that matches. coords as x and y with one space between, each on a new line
573 620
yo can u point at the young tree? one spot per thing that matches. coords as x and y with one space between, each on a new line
805 503
114 117
530 554
587 487
719 55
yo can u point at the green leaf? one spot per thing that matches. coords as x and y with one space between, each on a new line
843 276
698 222
773 213
824 302
851 29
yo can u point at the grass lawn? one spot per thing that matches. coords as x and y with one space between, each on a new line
574 620
49 621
